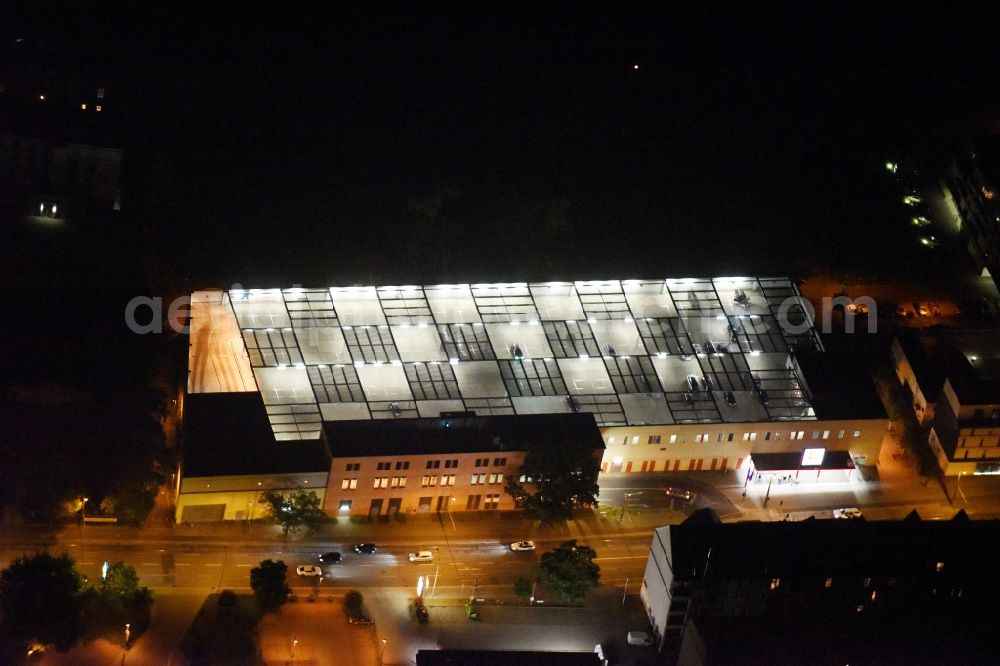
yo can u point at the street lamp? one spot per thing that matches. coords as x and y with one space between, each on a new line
83 519
381 651
958 484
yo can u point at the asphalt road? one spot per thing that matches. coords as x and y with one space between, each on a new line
458 565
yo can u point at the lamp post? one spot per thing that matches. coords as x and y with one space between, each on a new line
381 652
83 519
624 507
958 485
291 651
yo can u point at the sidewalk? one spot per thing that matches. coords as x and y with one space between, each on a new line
489 527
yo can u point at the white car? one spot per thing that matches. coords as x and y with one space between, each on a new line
850 513
522 545
309 570
421 556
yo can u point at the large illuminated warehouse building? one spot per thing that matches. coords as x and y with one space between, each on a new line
408 399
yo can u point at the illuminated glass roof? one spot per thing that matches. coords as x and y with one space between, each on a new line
630 352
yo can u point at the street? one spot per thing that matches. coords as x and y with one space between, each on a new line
184 564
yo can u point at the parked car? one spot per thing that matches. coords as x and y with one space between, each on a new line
365 548
421 556
679 493
330 558
522 545
693 383
362 619
309 570
849 513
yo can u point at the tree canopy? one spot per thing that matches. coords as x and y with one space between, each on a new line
39 600
295 510
569 571
268 584
558 479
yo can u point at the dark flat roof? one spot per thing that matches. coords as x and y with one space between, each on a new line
822 548
469 434
840 387
504 658
228 434
944 353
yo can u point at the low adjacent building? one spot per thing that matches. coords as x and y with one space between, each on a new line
707 582
784 576
230 457
954 379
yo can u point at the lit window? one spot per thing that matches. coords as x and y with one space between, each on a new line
345 505
83 107
861 608
826 434
840 434
815 434
829 583
673 439
746 437
775 583
611 440
97 107
635 439
857 433
939 566
348 484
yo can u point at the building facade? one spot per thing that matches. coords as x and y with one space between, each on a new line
678 375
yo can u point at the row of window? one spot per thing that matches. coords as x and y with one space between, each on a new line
473 503
431 464
729 437
425 482
485 462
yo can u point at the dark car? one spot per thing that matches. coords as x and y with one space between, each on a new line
330 558
366 548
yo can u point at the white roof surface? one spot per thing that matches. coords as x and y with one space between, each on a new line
631 352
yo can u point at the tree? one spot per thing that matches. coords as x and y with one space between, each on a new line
117 602
122 579
569 571
354 603
559 478
268 584
39 600
294 510
523 587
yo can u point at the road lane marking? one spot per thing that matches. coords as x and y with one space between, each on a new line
623 557
210 564
245 565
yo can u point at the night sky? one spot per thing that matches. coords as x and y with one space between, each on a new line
440 145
